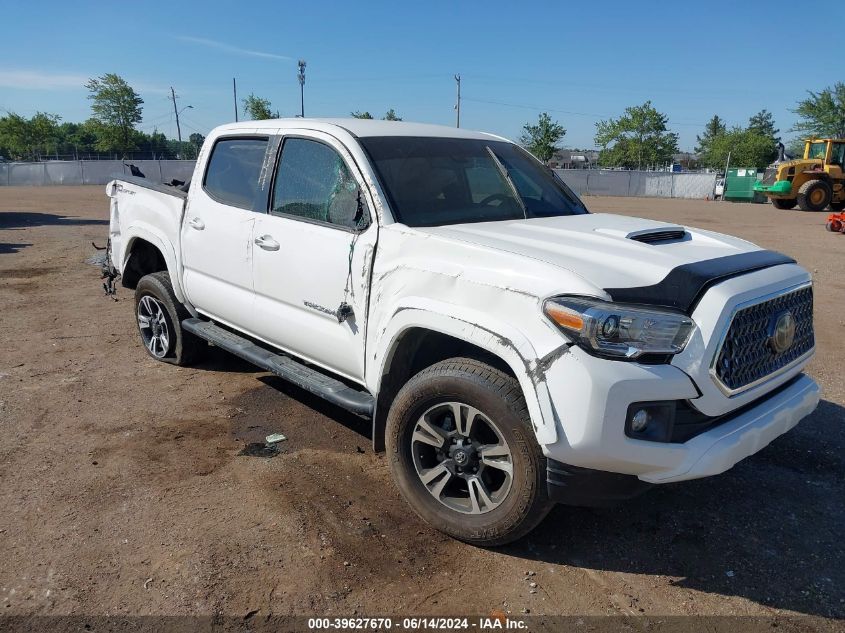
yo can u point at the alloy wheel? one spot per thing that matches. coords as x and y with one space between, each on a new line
153 325
462 458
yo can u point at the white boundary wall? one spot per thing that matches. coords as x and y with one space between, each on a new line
595 182
653 184
90 172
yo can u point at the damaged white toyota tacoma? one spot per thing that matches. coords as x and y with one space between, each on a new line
512 349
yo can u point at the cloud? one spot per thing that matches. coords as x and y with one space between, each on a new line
228 48
41 80
38 80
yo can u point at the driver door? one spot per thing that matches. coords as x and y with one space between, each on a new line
312 255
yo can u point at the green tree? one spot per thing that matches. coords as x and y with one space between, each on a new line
157 144
748 148
715 127
542 139
763 123
45 132
822 114
390 115
258 109
77 138
117 107
196 140
636 139
15 136
26 138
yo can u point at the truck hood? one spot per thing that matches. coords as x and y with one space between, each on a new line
604 249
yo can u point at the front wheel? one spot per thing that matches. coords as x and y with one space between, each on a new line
159 316
814 195
463 453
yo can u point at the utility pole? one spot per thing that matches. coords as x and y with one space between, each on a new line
301 77
458 104
235 94
176 112
725 183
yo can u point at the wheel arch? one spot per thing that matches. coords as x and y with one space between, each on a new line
417 338
148 252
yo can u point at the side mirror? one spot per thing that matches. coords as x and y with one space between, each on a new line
361 219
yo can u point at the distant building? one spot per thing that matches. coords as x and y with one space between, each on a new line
687 161
575 159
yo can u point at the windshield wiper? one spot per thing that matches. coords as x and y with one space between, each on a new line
504 171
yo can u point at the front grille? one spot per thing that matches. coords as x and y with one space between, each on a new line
770 175
746 356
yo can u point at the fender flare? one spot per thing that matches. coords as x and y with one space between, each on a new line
155 237
490 334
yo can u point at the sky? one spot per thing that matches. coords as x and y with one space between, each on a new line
579 61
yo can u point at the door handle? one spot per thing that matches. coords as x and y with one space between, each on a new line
267 243
196 223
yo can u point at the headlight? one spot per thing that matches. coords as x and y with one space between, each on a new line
618 330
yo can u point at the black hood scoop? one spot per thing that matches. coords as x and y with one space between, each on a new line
666 233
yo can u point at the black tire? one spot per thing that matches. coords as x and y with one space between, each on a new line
154 295
784 203
837 206
499 400
814 195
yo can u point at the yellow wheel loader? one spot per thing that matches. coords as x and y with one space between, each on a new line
813 182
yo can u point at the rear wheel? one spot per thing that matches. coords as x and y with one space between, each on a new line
463 453
814 195
784 203
159 316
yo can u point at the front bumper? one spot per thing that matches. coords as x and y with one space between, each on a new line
591 396
778 188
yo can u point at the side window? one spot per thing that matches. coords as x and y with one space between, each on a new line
313 182
837 155
233 169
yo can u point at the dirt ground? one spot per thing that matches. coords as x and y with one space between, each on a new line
122 491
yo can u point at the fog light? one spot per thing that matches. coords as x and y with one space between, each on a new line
650 421
640 420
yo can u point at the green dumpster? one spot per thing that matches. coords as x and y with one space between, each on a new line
739 185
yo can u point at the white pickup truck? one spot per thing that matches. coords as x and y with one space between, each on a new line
512 349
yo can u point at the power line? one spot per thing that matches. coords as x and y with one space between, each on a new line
594 116
161 117
534 107
193 125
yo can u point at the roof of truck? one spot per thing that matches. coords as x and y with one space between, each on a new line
362 127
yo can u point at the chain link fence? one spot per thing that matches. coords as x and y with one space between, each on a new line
91 172
652 184
595 182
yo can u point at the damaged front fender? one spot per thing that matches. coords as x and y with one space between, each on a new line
499 339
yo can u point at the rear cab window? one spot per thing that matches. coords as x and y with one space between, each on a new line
231 176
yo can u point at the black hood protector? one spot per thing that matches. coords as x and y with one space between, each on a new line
684 286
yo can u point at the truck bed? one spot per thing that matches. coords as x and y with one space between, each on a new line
146 210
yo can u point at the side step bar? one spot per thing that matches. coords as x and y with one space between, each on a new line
319 384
